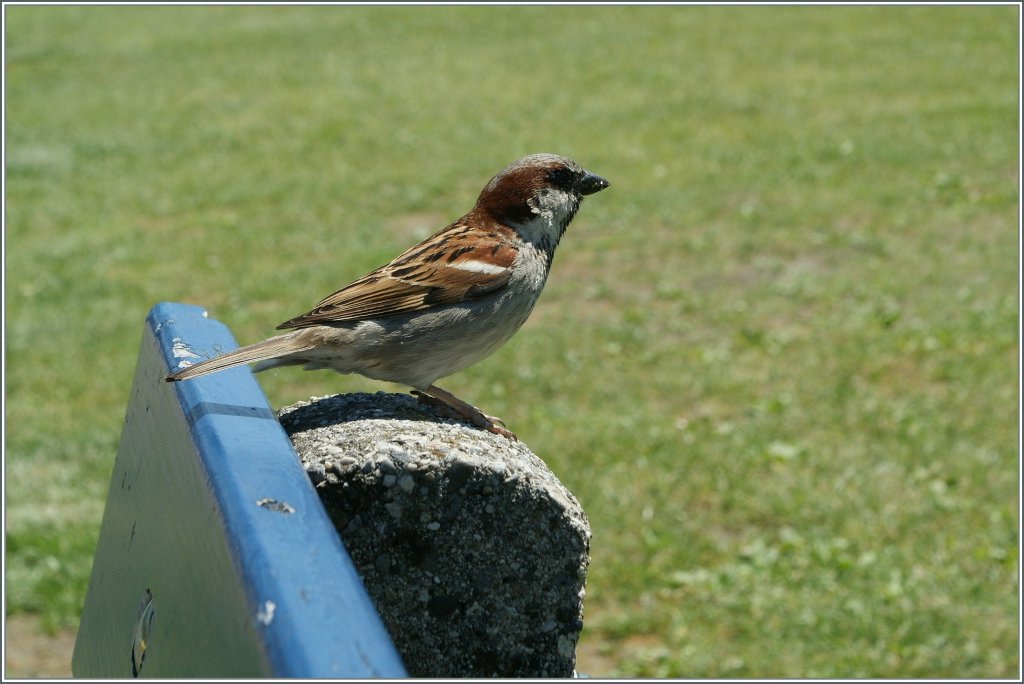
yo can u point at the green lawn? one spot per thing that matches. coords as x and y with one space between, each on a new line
777 361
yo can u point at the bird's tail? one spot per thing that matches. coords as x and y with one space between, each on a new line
273 348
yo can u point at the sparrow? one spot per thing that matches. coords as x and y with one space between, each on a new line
443 304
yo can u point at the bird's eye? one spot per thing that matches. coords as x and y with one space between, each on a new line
562 177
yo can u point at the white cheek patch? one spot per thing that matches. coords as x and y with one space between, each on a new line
477 267
553 205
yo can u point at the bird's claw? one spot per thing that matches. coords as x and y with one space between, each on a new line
472 415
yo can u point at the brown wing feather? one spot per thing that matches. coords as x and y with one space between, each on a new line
424 276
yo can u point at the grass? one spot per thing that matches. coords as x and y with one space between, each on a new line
777 361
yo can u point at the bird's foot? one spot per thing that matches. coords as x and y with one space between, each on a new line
456 408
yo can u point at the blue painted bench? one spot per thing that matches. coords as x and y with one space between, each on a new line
215 557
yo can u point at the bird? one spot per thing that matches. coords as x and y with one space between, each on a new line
443 304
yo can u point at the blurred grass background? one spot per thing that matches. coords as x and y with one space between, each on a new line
777 361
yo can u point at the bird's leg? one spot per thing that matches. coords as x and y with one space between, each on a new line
435 396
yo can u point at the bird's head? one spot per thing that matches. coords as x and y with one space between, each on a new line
538 195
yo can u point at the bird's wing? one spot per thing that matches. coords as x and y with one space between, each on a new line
458 264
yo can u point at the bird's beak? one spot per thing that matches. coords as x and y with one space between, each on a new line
591 184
